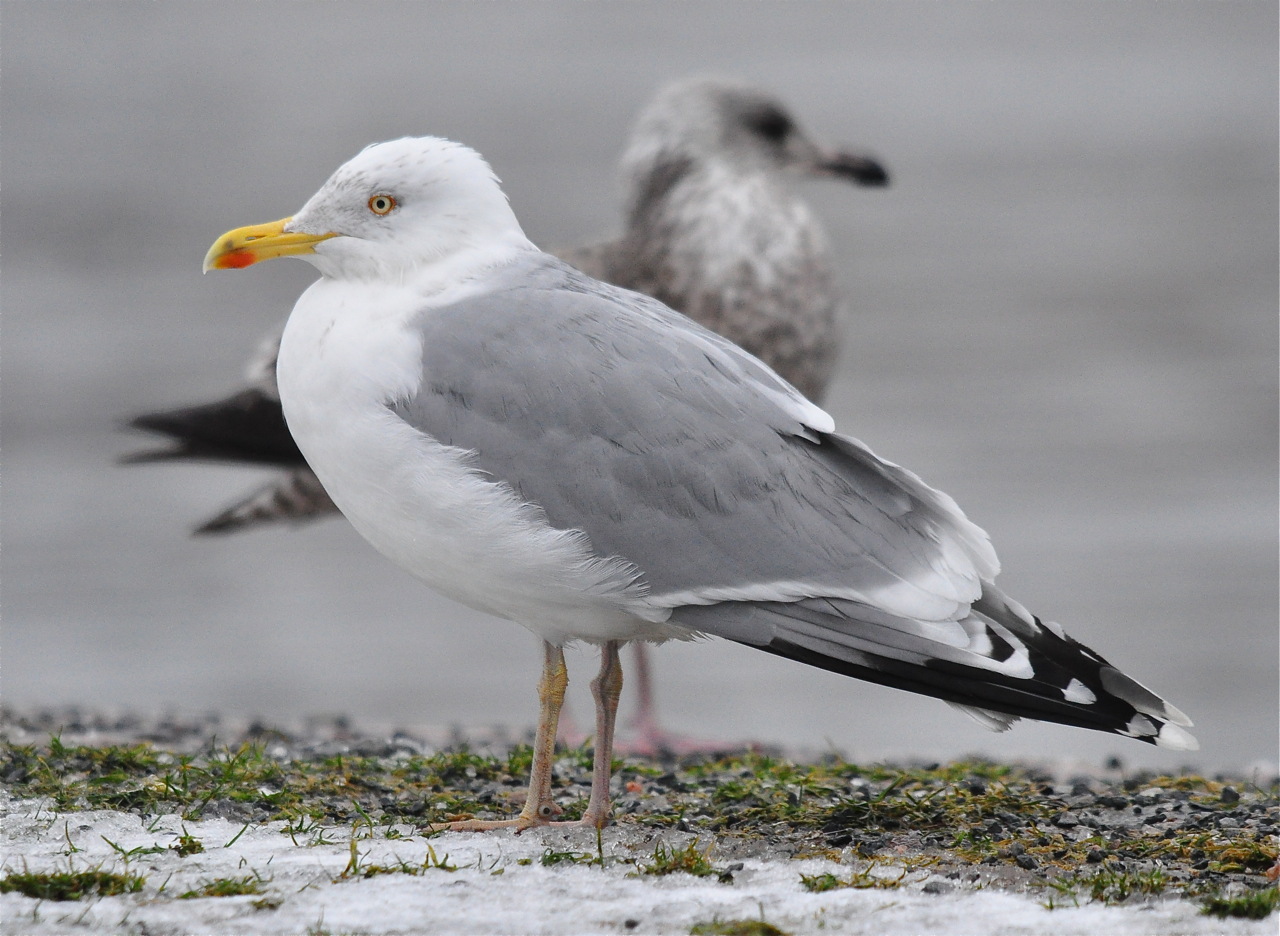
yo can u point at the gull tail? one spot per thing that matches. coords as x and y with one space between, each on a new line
998 664
245 428
295 497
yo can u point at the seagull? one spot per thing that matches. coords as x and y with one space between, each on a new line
712 229
584 461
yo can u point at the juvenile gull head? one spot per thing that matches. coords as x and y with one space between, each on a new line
714 230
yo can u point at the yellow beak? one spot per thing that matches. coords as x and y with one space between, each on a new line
245 246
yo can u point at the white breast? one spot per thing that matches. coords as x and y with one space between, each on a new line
348 350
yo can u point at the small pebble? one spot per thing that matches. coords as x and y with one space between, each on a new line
1229 795
1065 821
1027 862
1095 856
938 887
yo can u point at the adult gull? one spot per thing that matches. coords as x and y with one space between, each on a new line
712 228
584 461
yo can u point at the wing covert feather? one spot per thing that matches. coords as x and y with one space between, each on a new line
681 453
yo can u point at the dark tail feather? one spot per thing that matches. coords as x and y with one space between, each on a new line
999 663
246 428
295 498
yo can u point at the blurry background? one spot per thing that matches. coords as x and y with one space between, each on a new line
1063 313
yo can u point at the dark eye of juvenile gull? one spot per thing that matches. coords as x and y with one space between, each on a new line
770 123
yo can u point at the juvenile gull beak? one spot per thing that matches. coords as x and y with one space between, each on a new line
860 169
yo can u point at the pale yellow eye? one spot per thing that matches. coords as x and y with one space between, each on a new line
381 204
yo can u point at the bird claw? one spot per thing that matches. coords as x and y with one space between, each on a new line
528 819
519 823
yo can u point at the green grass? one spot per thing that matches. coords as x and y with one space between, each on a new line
821 807
688 860
859 880
187 844
70 884
1112 887
226 887
139 777
1106 886
431 862
1253 906
736 928
550 858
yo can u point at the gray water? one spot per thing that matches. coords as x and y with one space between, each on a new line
1063 313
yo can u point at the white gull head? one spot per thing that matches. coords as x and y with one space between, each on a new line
405 204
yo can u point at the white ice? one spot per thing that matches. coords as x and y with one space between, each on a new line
491 892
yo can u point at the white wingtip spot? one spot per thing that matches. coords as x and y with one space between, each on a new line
1079 693
1175 739
1055 628
1140 727
1139 696
992 721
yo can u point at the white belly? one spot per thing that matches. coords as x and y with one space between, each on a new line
416 500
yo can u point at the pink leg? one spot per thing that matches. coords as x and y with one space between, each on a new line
651 739
606 688
539 807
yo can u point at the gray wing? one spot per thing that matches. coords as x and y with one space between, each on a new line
677 451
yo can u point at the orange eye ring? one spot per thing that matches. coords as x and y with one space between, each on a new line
381 204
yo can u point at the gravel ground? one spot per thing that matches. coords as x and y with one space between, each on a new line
216 827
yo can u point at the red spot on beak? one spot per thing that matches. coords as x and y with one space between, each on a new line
236 260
